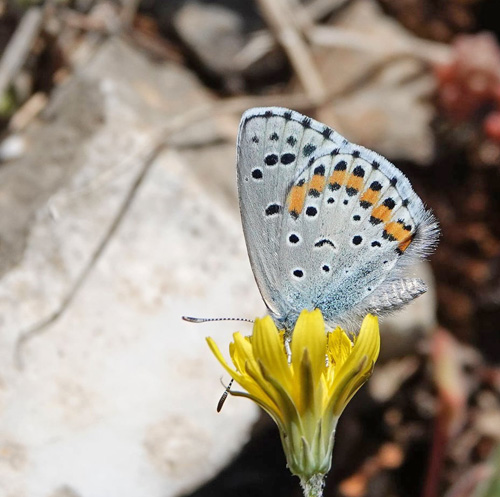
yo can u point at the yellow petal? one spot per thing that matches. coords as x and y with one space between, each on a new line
242 352
339 347
220 358
357 368
309 333
268 348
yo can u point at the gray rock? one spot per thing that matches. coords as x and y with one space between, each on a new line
116 395
383 100
214 34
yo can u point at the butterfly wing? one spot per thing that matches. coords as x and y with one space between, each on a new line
327 223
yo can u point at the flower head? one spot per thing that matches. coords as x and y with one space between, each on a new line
305 393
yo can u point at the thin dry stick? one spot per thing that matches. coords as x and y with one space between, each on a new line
281 21
19 46
427 51
262 42
129 12
318 9
27 112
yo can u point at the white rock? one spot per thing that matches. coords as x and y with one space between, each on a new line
12 147
117 396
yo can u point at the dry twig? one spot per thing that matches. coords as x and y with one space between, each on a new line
19 46
282 22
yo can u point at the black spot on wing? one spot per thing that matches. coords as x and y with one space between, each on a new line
271 159
389 203
273 209
324 241
327 132
308 149
287 158
359 172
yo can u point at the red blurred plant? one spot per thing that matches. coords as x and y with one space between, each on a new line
469 85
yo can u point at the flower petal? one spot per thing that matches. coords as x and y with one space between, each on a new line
220 358
268 348
358 366
309 333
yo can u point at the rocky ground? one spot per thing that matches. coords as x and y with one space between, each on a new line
119 215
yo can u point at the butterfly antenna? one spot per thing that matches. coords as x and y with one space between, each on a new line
224 395
191 319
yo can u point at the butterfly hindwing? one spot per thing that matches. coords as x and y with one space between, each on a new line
328 224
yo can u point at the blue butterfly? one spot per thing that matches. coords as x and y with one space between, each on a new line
328 224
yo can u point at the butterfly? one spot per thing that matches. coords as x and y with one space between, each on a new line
328 224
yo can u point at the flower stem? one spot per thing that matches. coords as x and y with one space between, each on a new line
314 486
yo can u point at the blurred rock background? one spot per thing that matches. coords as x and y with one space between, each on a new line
119 215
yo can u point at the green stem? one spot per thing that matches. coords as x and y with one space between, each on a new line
314 486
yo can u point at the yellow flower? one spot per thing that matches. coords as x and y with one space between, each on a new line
306 393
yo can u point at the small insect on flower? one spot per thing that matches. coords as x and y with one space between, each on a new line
306 394
330 228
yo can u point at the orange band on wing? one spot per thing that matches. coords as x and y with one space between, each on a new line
397 231
338 177
354 182
317 183
381 213
370 197
405 244
296 199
